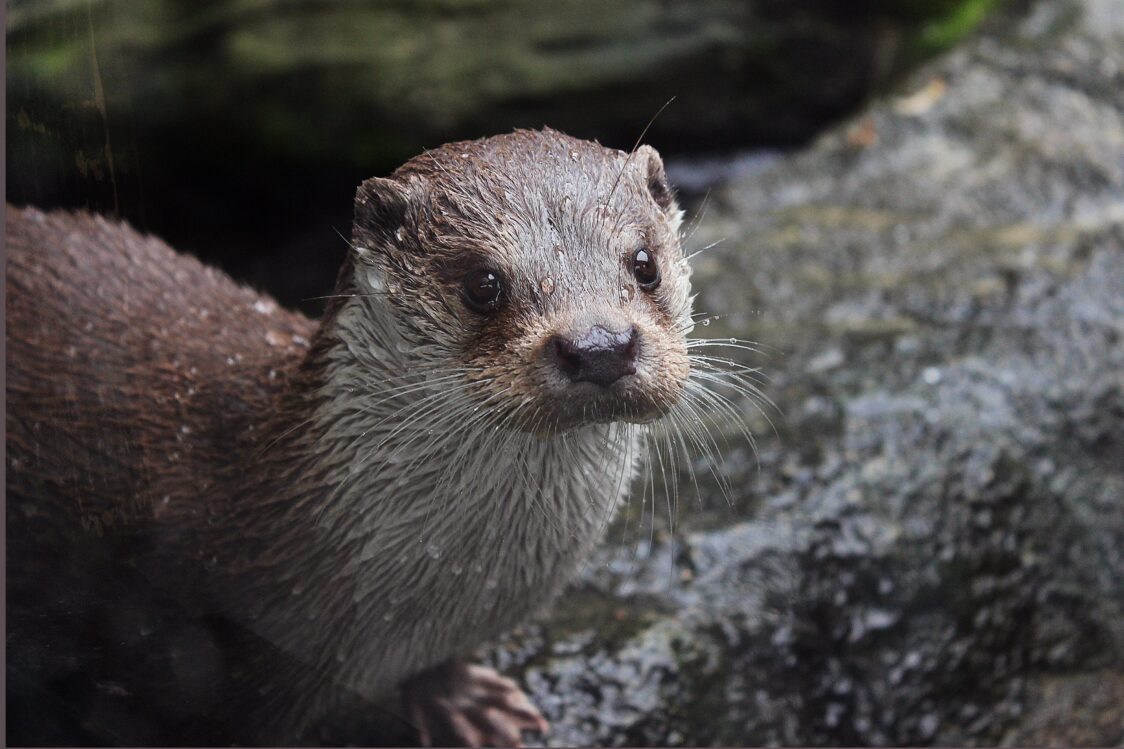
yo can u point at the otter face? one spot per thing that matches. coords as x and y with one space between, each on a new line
546 270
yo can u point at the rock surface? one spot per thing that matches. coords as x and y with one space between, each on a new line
377 82
930 547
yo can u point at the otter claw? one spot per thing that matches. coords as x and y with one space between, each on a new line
457 705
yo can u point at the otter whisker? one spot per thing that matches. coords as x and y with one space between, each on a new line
635 146
744 387
696 222
701 250
708 446
726 408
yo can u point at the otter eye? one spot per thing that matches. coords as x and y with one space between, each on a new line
483 290
645 269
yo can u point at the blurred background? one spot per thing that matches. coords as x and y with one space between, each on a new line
914 209
238 130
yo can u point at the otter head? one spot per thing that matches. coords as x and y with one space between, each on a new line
544 269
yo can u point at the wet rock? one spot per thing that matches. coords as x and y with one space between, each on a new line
930 552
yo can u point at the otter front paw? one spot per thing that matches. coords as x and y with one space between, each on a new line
458 705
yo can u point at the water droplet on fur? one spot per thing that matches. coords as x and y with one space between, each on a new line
573 155
375 280
931 375
388 616
433 551
733 340
705 321
399 234
547 285
456 569
626 293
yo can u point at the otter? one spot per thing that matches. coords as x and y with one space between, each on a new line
371 496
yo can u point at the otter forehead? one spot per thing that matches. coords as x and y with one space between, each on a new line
546 209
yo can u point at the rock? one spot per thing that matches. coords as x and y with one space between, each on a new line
929 550
343 81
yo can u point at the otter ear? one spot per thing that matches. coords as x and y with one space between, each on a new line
381 208
656 179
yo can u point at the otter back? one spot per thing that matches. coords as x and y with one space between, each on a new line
130 370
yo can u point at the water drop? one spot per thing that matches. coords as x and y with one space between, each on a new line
705 321
433 551
387 616
627 293
547 285
456 569
375 280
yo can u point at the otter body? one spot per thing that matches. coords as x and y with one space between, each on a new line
378 493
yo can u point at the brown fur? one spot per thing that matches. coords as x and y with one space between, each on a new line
218 444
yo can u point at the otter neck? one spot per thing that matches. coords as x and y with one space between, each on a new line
403 496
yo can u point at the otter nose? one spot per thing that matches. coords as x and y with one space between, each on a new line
599 356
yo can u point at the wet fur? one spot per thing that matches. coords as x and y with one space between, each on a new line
375 494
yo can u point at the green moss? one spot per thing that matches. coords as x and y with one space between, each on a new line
942 32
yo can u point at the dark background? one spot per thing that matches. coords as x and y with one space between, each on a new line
238 131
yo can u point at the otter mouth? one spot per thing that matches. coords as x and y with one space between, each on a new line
585 404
